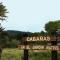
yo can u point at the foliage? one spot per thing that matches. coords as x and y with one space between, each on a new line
13 43
3 36
52 26
3 12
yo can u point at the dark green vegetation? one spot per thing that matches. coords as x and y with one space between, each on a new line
53 27
3 12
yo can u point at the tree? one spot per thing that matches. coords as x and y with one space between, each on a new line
3 37
43 33
52 26
3 12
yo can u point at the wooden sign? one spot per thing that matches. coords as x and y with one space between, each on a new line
52 39
39 47
40 38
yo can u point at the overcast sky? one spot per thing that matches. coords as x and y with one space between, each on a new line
30 15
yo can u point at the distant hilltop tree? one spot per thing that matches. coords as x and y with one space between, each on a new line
52 27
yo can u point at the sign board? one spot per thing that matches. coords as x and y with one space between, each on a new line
39 47
53 47
40 38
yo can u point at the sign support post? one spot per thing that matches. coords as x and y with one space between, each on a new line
25 50
54 55
25 54
52 39
54 52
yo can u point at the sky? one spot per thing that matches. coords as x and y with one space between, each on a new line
30 15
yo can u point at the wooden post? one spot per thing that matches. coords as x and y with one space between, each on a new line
54 52
25 54
54 55
25 50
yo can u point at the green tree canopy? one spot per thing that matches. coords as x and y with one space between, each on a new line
3 12
52 26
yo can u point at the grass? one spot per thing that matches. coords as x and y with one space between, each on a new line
41 55
17 54
12 54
